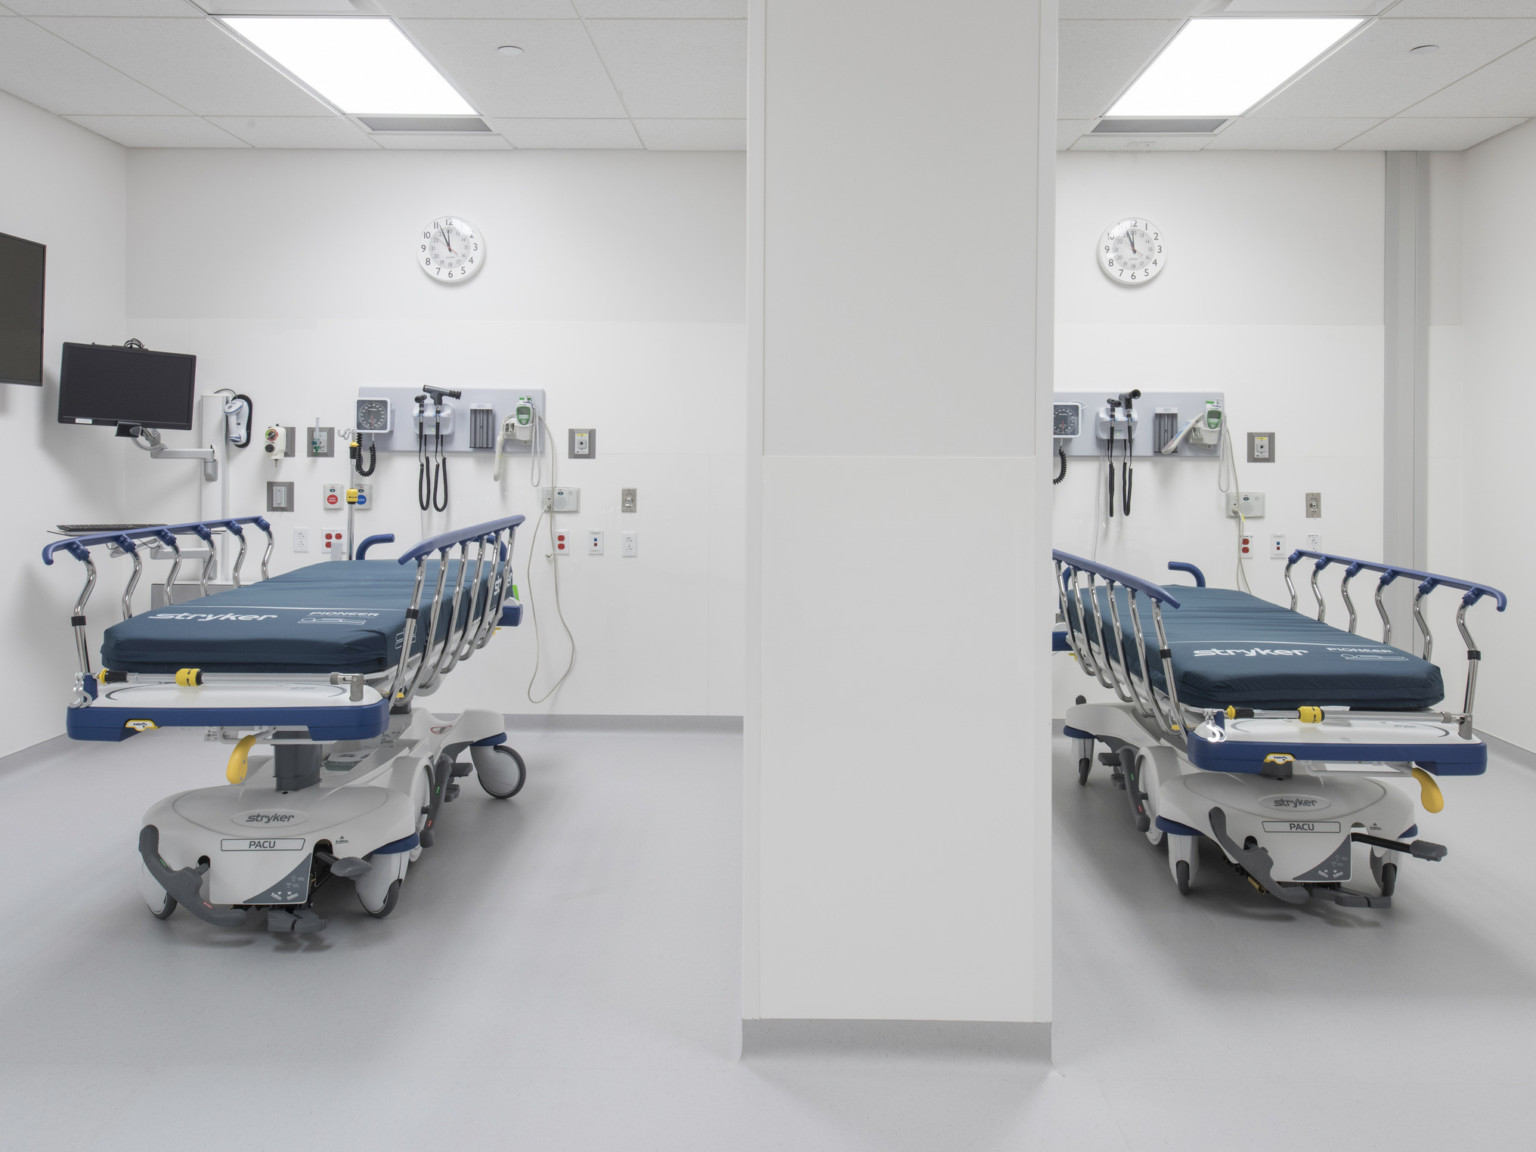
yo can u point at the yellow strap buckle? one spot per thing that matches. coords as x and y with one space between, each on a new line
189 677
1310 715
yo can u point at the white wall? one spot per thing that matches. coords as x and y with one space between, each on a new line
1272 294
897 789
1479 406
612 280
65 187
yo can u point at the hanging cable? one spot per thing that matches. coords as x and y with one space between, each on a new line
554 563
1227 483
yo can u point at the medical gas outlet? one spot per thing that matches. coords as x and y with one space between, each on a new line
275 441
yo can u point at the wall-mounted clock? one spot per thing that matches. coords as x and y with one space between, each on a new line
450 249
1132 251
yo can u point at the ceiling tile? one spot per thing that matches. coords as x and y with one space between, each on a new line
44 70
192 62
1130 9
1375 74
663 9
1099 58
447 142
295 131
558 74
1282 133
481 9
1432 133
1069 130
568 133
1140 143
676 68
1462 8
1506 87
693 135
179 8
159 131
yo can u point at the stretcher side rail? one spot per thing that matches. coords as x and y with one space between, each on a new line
1143 697
1472 590
494 537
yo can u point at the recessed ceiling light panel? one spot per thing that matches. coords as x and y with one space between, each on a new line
361 64
1224 66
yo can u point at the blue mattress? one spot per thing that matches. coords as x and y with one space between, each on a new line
338 616
1230 648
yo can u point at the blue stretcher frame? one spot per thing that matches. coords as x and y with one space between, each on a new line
1466 756
214 701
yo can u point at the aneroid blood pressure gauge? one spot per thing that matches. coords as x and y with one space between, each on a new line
372 415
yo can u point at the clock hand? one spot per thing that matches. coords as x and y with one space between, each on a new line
446 241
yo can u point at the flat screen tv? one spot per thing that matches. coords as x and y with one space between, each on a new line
113 384
21 310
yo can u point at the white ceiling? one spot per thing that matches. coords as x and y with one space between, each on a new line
671 74
661 74
1369 93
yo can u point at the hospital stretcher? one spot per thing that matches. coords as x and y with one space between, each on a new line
1271 734
311 677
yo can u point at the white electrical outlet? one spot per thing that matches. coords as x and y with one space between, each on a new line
301 539
1277 548
1314 542
1249 505
594 543
629 544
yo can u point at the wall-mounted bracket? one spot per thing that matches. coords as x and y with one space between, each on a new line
149 440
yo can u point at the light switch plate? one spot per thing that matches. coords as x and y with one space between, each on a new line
279 495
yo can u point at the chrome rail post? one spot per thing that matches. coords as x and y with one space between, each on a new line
1474 659
1120 646
431 635
496 588
1166 655
234 574
170 540
133 579
266 556
448 657
77 617
397 685
1291 587
1090 658
1349 574
1322 609
1066 617
467 642
1423 590
1386 621
1146 668
1098 623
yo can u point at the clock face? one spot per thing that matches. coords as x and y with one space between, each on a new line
450 249
1132 251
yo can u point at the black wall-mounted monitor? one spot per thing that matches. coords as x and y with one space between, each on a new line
22 264
112 384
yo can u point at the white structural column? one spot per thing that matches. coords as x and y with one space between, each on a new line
897 805
1406 392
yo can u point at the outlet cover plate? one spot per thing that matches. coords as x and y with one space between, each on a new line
629 500
1314 505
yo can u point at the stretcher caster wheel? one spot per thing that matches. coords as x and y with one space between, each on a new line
1184 861
1084 766
161 903
1388 879
500 769
391 898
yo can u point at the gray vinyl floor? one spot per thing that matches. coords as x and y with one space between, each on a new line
562 974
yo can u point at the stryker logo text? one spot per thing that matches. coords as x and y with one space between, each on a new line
207 617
